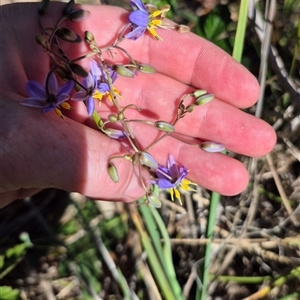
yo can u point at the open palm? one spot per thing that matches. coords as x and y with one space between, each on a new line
41 150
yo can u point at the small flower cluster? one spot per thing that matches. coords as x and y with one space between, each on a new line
98 84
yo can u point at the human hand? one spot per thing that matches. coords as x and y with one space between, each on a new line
41 150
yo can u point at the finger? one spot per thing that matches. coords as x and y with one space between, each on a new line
185 57
46 151
159 97
213 171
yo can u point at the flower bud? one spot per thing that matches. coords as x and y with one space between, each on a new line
121 116
146 159
212 147
127 157
153 199
79 70
150 8
89 37
68 8
123 71
165 7
164 126
40 40
147 69
113 118
43 6
182 28
112 172
78 15
204 99
115 133
190 108
198 93
68 35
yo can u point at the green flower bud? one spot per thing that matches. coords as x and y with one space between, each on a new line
153 199
164 126
146 159
147 69
40 40
127 157
89 37
190 108
204 99
112 172
121 116
123 71
113 118
198 93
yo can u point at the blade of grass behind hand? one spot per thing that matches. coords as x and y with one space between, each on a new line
156 267
215 198
167 254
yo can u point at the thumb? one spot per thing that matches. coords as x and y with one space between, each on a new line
41 151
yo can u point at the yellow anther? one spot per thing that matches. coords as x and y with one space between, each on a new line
156 13
59 113
154 34
155 22
66 105
98 95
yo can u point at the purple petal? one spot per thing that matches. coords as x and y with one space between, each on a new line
95 69
49 108
90 105
52 84
34 102
162 173
66 88
115 133
165 184
171 161
113 75
138 4
103 87
173 169
80 96
35 89
136 33
90 81
139 18
182 174
61 98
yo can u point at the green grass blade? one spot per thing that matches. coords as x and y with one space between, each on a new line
156 267
215 198
214 202
167 254
240 32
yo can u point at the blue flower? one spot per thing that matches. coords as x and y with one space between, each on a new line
172 178
96 86
142 20
88 95
49 97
